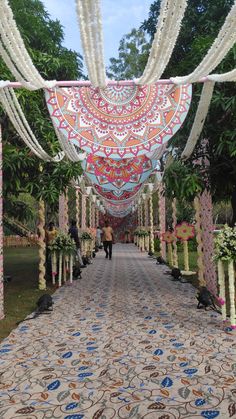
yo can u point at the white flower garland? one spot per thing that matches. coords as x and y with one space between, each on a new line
221 46
229 76
199 120
90 23
14 53
12 107
69 148
168 27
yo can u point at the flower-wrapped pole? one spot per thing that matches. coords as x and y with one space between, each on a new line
83 210
200 264
168 237
225 250
222 297
42 245
151 225
174 222
60 269
54 266
186 256
232 293
184 232
162 217
147 243
77 207
71 269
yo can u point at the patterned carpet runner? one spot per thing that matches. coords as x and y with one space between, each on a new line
123 342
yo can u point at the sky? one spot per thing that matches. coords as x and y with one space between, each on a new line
118 16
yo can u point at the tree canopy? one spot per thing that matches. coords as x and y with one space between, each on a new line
201 24
43 38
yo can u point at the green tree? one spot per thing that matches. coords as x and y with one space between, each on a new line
202 22
43 38
133 54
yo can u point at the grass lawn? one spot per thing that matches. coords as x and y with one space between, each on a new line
21 294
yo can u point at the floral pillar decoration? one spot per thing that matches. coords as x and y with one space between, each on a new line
83 210
208 240
225 254
162 217
1 237
184 232
150 187
145 207
63 212
42 245
77 207
97 217
198 229
168 237
174 222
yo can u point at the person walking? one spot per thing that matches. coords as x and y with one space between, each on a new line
108 239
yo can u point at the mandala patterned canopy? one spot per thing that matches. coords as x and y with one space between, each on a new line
118 210
118 174
119 121
116 195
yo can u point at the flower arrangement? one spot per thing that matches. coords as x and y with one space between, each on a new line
86 236
225 251
62 243
225 244
62 250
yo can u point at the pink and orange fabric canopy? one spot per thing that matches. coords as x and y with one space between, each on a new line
124 129
119 121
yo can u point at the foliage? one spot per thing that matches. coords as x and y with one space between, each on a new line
142 233
181 182
63 243
23 171
133 55
225 244
86 236
200 26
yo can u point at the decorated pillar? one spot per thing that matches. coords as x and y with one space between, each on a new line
200 261
162 217
77 207
1 237
42 245
97 217
208 240
90 213
151 225
63 213
83 212
174 222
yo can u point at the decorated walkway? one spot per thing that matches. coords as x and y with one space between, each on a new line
123 342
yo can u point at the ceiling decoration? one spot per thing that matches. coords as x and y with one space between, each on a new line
119 121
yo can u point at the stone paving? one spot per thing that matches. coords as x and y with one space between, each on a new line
123 342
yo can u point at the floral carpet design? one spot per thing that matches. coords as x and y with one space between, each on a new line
123 342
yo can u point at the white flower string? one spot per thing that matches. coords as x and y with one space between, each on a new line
221 46
12 107
90 23
229 76
168 27
199 119
14 53
69 148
